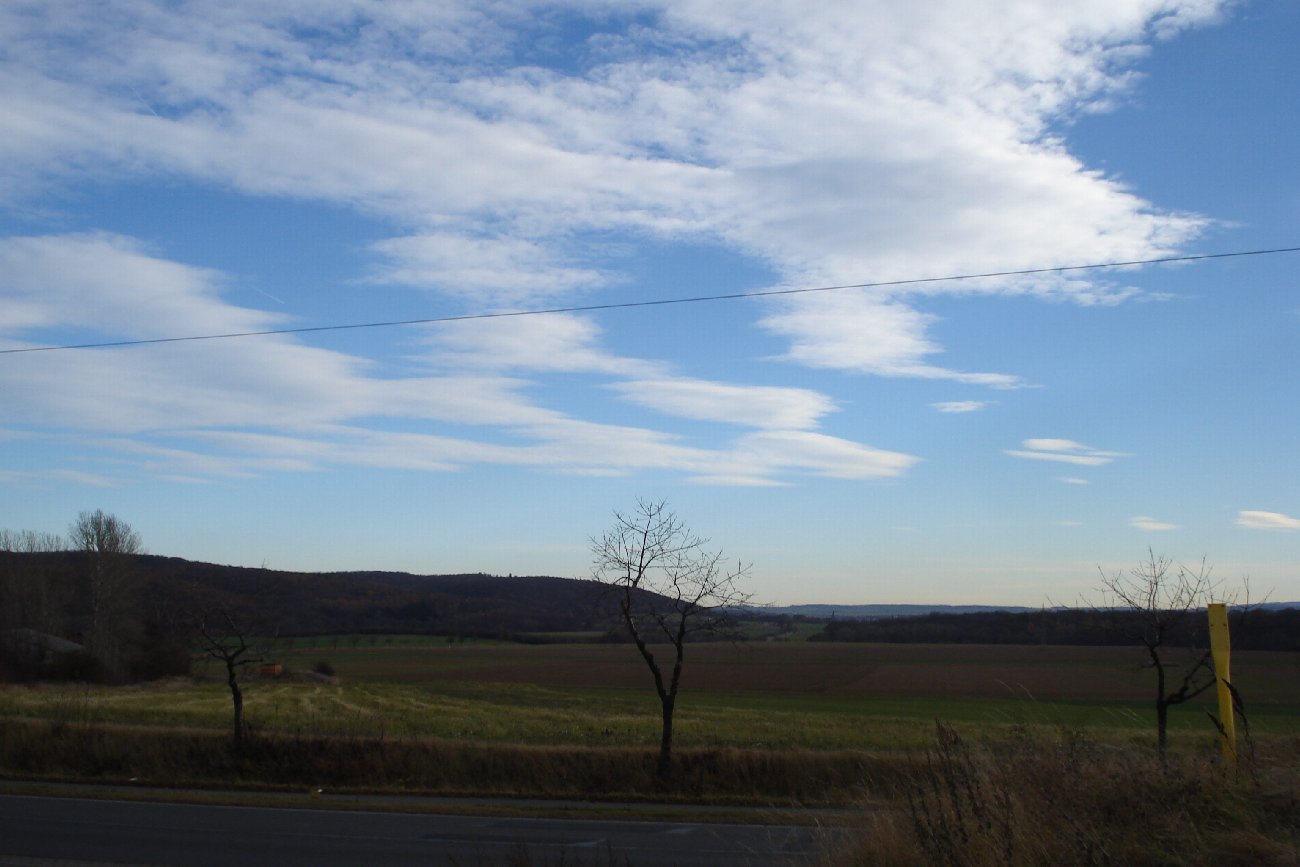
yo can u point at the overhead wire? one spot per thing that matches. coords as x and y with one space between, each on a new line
654 302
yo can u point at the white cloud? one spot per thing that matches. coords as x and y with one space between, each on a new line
109 285
957 406
1255 520
35 478
821 454
551 343
860 333
757 406
839 144
1064 451
1071 480
511 270
1142 522
240 408
833 144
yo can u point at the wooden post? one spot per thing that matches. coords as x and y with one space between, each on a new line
1221 648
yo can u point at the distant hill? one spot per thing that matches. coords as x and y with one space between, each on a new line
316 603
474 604
877 611
871 612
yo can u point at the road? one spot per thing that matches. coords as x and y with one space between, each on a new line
40 830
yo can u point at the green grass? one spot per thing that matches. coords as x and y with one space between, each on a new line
1062 738
531 714
354 641
760 696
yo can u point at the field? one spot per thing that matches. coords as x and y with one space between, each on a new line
791 723
768 695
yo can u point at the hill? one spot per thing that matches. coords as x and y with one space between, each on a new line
315 603
874 611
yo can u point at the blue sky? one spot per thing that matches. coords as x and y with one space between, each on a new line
185 169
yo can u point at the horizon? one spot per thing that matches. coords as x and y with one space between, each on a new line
388 197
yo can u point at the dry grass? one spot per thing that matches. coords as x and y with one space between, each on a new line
52 750
1067 801
1049 759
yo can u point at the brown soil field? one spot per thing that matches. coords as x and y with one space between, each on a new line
948 671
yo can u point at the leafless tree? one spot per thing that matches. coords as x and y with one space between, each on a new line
108 544
27 597
219 638
1157 600
32 604
669 587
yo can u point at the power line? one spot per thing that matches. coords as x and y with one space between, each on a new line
659 302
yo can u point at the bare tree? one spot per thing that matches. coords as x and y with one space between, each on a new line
108 544
669 587
220 639
28 598
1156 601
32 602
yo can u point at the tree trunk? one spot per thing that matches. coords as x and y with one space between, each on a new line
237 699
665 767
1162 728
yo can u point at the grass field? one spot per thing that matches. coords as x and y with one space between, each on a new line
762 695
1043 754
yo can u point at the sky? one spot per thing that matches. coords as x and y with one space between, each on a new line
176 170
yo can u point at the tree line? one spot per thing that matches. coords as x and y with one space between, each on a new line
77 608
1256 629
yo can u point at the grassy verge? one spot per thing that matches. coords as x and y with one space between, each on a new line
1065 800
110 753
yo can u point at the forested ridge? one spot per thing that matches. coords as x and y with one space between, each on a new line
133 613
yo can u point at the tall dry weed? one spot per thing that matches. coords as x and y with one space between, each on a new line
1063 800
173 756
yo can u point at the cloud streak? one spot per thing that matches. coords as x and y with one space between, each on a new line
921 139
236 409
1063 451
1151 525
1256 520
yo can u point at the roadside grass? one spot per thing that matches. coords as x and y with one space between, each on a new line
1033 796
756 724
172 756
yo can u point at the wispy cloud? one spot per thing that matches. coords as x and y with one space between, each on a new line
1064 451
555 343
1142 522
862 334
1071 480
956 406
234 409
484 270
750 405
36 478
921 138
1255 520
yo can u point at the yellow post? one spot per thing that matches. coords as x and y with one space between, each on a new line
1221 648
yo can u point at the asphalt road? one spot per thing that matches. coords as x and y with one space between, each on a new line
43 830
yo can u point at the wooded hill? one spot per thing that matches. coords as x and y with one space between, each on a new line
135 614
298 603
147 605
